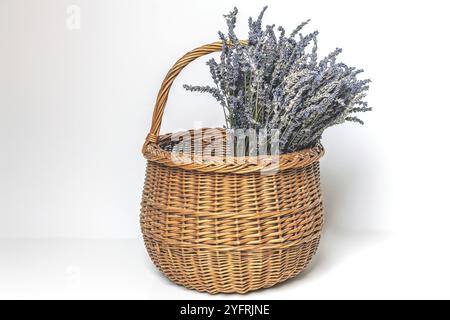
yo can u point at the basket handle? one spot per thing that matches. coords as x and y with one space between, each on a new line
163 93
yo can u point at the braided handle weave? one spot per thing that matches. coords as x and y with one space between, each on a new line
163 93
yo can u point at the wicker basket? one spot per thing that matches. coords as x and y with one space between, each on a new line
225 227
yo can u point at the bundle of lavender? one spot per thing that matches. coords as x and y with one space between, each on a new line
278 83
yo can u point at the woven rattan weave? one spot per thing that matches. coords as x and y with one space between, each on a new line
220 226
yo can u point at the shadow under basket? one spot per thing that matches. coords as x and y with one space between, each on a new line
227 226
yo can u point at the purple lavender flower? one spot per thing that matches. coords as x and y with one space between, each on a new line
278 83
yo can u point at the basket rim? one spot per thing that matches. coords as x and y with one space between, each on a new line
232 164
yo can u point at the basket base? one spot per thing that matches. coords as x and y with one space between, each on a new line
230 271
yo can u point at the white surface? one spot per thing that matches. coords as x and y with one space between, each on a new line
75 106
347 266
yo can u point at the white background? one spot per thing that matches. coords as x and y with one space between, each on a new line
75 107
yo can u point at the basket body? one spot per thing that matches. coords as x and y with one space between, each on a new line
224 229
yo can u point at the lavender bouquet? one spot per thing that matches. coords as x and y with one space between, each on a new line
278 83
